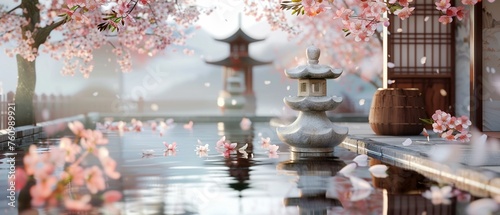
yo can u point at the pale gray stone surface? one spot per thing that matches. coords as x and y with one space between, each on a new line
480 180
312 131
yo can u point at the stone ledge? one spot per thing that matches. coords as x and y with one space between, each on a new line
477 181
27 135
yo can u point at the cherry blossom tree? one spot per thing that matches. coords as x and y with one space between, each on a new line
71 30
344 28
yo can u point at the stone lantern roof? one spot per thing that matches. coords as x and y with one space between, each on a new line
313 69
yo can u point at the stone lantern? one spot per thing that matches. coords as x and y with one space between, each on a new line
312 131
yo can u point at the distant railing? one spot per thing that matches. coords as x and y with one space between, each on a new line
50 107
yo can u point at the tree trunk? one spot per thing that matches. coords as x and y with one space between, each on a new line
26 82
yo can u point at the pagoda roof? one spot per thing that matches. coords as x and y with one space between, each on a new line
240 61
239 35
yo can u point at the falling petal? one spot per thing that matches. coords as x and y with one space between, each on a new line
379 170
348 169
443 92
288 87
482 206
148 152
361 160
233 102
399 30
189 125
199 142
361 102
154 107
391 81
245 124
357 195
437 71
493 70
487 69
390 65
426 18
359 184
426 134
207 84
439 195
95 93
407 142
423 60
267 82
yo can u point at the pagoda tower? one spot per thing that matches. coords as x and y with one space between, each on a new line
237 93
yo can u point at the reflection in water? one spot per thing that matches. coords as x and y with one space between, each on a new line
314 171
403 191
216 185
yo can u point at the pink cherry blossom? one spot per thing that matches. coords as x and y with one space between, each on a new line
343 13
170 147
20 178
70 149
153 126
463 121
137 126
448 135
404 13
230 146
93 138
404 3
77 128
445 19
442 5
273 148
245 123
313 7
470 2
463 136
438 127
42 190
189 125
202 150
265 142
94 179
30 160
82 204
75 173
108 164
439 195
220 142
111 196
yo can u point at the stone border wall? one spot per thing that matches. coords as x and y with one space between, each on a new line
27 135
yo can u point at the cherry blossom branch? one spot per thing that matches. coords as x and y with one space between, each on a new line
10 11
80 159
41 34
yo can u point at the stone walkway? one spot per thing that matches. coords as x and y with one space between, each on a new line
461 168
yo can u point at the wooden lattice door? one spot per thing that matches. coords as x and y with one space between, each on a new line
422 51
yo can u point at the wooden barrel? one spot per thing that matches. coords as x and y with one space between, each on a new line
397 111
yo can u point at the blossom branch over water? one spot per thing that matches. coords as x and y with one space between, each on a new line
52 186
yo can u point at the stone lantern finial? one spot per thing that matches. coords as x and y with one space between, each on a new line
312 54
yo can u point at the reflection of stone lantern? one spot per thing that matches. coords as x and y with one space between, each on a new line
313 172
312 131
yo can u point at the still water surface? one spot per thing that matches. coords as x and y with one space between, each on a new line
252 183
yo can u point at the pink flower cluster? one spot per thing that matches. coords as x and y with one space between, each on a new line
52 185
361 18
449 12
450 127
